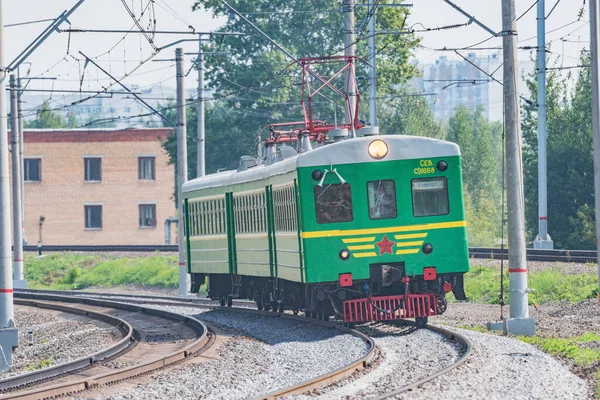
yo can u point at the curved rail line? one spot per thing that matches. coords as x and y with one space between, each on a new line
317 382
121 346
578 256
463 341
300 388
203 341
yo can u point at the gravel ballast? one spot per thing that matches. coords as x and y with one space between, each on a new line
57 338
498 368
504 368
264 354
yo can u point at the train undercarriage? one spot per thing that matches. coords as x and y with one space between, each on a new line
387 295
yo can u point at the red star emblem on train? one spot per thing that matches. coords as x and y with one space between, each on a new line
385 246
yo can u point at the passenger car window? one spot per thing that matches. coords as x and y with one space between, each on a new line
382 199
333 203
430 197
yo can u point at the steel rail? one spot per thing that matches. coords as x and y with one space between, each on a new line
79 364
580 256
466 344
202 342
300 388
323 380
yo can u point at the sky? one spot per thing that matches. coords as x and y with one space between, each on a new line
59 56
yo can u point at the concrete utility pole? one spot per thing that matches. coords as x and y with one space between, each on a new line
19 281
201 162
372 71
21 163
182 166
349 51
519 321
543 240
595 52
9 337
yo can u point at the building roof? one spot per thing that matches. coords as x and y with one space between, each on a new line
95 135
350 151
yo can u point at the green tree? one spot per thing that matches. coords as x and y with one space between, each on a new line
256 85
408 114
47 119
480 150
569 160
475 137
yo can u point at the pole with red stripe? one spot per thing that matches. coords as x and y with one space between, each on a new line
519 321
6 284
19 281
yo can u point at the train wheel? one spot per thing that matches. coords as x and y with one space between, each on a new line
222 301
322 312
229 301
281 308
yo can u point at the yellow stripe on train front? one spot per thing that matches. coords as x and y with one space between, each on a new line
408 244
407 251
412 236
361 255
375 231
362 247
360 240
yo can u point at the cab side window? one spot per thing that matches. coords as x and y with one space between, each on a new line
430 197
382 199
333 203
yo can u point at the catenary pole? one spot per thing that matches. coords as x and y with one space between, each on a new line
349 52
543 240
595 50
373 70
18 279
182 166
200 157
21 163
8 332
519 321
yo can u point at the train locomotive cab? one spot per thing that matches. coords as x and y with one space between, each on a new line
390 230
366 229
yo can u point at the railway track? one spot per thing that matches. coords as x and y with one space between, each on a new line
141 327
577 256
303 387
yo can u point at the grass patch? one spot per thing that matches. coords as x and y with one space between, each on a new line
582 350
78 271
46 362
482 285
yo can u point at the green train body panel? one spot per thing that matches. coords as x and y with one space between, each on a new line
253 246
447 233
267 227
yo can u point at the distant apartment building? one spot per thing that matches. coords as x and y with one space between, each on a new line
447 83
96 187
117 110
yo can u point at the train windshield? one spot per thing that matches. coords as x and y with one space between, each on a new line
333 203
430 197
382 199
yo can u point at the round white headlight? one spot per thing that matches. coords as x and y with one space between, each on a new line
378 149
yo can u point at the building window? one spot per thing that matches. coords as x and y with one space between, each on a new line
146 168
33 170
147 215
93 217
93 169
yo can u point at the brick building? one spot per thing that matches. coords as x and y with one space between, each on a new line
97 186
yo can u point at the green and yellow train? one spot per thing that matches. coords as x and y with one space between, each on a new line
371 228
